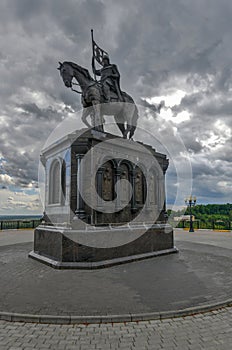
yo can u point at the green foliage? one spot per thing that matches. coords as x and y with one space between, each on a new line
210 215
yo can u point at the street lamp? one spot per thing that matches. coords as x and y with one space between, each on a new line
191 201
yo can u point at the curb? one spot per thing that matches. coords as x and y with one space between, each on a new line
69 319
99 264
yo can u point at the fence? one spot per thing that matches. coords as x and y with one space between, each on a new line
18 224
198 224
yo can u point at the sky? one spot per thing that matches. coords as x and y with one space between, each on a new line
179 51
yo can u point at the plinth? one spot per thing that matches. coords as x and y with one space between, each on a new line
104 202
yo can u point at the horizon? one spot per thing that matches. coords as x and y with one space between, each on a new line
176 209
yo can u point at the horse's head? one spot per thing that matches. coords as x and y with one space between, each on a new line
66 72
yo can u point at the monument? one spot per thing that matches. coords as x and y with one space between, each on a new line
104 194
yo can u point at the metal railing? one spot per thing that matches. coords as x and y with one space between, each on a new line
198 224
18 224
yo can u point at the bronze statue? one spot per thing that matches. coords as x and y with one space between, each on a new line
95 95
110 78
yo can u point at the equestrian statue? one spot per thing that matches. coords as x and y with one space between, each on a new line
101 97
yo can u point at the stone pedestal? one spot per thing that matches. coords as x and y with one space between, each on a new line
104 202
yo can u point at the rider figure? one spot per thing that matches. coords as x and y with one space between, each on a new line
110 78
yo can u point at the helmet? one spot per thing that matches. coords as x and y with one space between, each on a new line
105 56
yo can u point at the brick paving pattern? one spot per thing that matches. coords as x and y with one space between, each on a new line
211 331
199 274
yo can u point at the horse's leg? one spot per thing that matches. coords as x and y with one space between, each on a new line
97 116
122 129
132 131
85 114
131 113
120 123
128 118
134 122
102 121
94 96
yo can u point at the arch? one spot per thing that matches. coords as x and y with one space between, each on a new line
54 182
63 182
57 182
127 162
103 160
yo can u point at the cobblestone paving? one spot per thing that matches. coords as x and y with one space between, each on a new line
199 275
211 331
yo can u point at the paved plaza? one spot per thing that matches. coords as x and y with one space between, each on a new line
209 331
199 275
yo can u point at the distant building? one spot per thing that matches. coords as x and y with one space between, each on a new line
183 218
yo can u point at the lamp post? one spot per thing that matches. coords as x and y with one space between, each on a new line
191 201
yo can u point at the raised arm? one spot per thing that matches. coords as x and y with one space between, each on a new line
115 73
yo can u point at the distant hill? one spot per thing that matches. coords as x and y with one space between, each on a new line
19 217
207 212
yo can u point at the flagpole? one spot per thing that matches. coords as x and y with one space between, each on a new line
93 54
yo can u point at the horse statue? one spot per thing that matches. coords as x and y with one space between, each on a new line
92 95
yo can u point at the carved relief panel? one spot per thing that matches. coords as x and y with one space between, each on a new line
152 189
139 187
125 187
108 182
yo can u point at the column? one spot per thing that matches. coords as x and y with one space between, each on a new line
133 204
99 188
117 182
79 212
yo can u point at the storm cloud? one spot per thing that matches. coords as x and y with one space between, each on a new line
164 49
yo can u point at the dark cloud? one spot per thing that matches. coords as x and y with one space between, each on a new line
49 113
160 48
